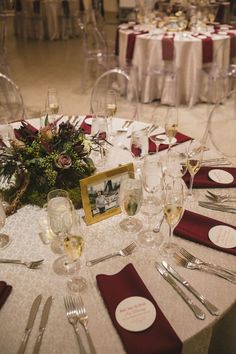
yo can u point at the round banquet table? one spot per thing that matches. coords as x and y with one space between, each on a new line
214 335
191 86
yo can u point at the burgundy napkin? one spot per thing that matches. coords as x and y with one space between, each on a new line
5 291
86 127
160 338
131 44
207 50
202 180
181 138
195 227
167 48
232 45
117 41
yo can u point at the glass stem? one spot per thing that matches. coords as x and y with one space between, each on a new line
150 236
170 235
191 185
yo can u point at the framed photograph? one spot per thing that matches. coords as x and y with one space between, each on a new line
100 193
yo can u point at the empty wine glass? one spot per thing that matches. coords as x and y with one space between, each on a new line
171 124
175 163
139 147
173 208
152 180
130 200
4 239
194 162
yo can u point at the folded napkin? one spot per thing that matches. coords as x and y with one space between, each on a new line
195 227
117 42
5 291
207 50
160 338
86 127
167 48
202 180
131 44
181 138
232 45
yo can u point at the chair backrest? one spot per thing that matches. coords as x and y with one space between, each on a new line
120 82
11 101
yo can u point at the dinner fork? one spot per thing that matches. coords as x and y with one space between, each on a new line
83 320
123 252
190 265
73 317
31 265
196 260
218 198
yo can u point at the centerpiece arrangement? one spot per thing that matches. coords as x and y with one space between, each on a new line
36 161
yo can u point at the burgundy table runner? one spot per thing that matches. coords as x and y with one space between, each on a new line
202 180
167 48
5 291
131 44
160 338
195 227
207 50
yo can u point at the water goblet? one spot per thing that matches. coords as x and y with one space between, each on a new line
139 147
99 132
175 163
4 239
130 200
194 162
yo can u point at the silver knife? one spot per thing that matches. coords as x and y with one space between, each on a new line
43 323
30 323
196 310
209 306
213 206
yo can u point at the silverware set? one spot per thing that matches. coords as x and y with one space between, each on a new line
220 161
28 264
220 198
217 206
76 312
31 318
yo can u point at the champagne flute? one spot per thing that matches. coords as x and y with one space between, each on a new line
4 239
173 207
52 105
194 162
171 124
152 176
139 147
130 200
111 108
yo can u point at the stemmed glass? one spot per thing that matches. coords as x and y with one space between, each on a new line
4 239
130 200
111 108
171 124
152 180
52 105
175 163
173 207
194 162
139 146
99 132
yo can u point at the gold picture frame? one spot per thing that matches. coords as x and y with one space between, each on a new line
100 192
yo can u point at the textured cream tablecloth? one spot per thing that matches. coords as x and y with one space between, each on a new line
214 334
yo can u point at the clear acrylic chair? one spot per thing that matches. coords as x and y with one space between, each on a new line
125 90
11 101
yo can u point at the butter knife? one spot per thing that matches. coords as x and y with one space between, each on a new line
209 306
43 323
30 323
196 310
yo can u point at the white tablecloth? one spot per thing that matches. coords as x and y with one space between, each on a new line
191 86
213 335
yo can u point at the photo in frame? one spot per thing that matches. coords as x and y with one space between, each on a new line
100 193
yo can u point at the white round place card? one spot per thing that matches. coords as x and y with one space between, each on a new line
220 176
135 313
166 139
89 121
223 236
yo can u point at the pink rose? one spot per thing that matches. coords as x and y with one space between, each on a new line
63 161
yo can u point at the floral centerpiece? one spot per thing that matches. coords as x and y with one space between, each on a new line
38 160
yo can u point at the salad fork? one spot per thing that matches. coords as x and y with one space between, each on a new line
83 320
190 265
31 265
218 198
196 260
122 252
73 317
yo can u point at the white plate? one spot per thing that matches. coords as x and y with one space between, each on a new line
223 236
220 176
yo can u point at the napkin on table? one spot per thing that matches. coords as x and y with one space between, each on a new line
5 291
86 127
160 338
131 44
195 227
181 138
167 48
207 50
202 180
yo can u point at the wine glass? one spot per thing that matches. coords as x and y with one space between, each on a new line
111 108
52 105
99 132
130 200
175 163
139 147
194 162
4 239
6 133
171 124
152 176
173 207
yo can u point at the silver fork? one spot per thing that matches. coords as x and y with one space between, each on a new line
83 320
190 265
220 198
196 260
31 265
73 317
123 252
